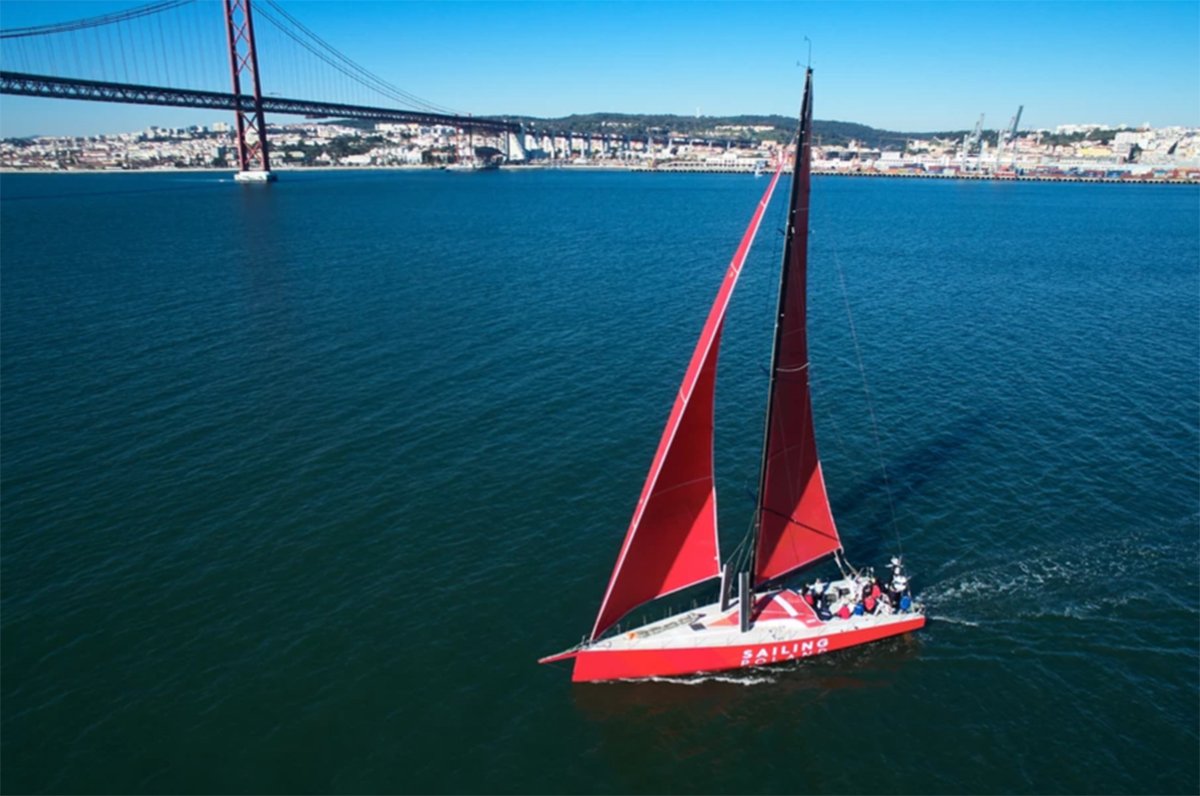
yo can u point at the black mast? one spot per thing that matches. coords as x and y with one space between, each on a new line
797 219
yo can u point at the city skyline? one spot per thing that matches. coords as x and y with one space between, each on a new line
907 67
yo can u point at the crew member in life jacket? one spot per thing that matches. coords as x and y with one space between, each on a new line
899 586
858 592
820 604
870 598
879 590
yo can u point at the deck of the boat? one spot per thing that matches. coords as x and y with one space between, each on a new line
777 616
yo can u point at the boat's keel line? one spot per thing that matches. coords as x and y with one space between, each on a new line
624 664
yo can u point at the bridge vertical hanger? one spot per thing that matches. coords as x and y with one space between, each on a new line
254 163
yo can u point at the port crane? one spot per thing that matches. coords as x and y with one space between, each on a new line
1010 135
971 144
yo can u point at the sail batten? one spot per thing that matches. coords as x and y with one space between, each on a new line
671 544
794 522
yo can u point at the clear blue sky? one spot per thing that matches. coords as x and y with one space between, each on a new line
907 66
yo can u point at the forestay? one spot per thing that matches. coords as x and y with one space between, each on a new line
672 540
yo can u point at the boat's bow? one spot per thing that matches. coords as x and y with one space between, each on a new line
565 655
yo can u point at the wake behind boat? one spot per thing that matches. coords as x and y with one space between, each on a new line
672 544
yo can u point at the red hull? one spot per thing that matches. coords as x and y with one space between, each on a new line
601 664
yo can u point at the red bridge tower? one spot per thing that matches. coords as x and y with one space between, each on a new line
254 163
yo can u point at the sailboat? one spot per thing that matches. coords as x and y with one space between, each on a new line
671 543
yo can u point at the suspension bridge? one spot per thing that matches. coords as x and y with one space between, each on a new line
221 55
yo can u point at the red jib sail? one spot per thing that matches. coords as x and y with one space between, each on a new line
795 523
672 540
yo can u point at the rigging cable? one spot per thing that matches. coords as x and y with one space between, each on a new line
887 484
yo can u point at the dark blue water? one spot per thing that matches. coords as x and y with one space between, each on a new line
299 480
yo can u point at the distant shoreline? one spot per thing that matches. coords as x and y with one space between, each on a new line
643 169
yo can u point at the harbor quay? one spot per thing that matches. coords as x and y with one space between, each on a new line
1048 172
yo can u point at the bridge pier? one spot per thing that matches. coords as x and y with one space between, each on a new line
255 175
514 144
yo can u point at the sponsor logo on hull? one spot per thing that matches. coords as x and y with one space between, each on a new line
783 652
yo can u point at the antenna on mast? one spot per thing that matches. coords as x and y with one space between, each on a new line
809 64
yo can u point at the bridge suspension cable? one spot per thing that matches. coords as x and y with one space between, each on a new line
174 43
343 63
182 44
92 22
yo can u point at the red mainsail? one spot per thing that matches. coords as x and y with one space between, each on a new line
672 540
795 523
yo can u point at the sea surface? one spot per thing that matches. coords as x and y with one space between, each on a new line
300 480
